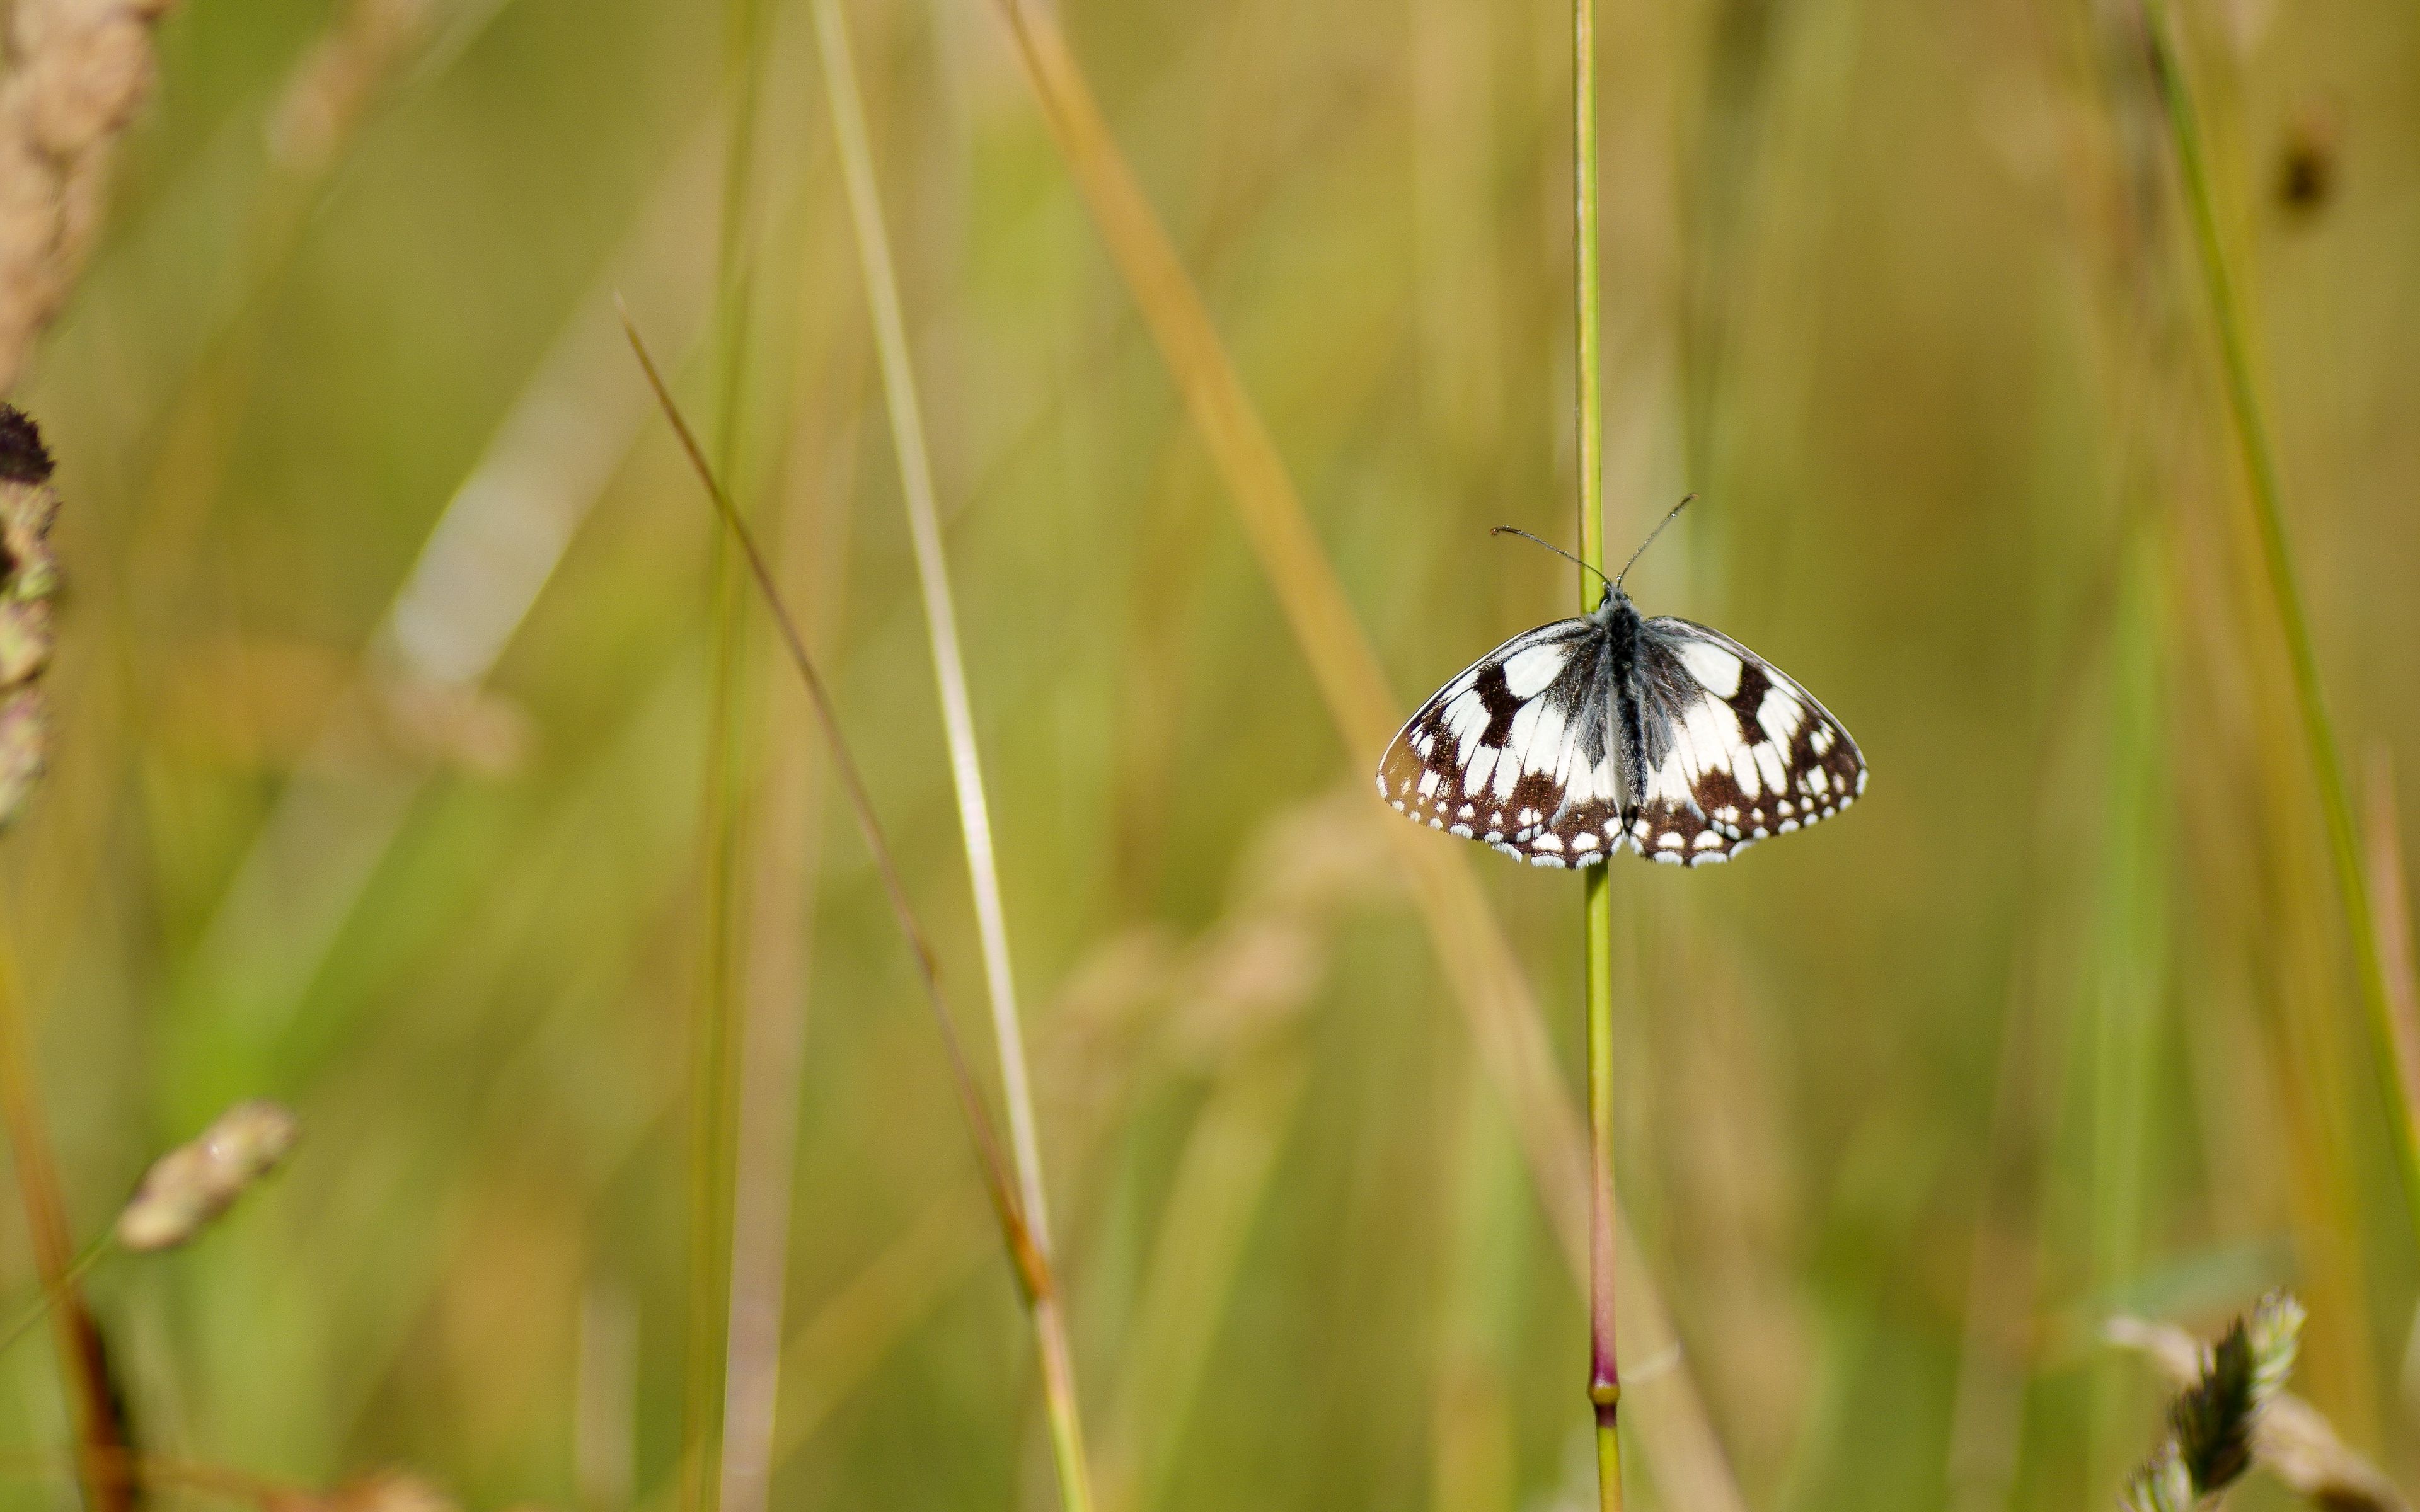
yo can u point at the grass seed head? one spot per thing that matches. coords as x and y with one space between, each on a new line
28 576
2222 1421
191 1184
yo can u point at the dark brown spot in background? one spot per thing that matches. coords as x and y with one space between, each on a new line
2307 164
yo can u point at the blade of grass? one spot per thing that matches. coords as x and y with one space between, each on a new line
1032 1267
933 577
40 1306
789 823
1596 896
713 1123
2391 901
957 718
2126 958
2269 517
1487 980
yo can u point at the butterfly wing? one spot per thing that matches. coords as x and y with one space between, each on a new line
1514 751
1734 748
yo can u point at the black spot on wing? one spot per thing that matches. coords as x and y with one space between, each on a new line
1423 775
1754 684
1819 768
1516 791
1496 696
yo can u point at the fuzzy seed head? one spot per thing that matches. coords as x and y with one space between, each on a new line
2275 1334
191 1184
28 576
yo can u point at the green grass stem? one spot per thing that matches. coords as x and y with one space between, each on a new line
1596 898
957 717
2269 517
1035 1278
714 1026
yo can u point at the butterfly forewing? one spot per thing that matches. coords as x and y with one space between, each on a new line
1735 750
1515 751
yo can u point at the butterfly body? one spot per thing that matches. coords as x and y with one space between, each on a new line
1612 730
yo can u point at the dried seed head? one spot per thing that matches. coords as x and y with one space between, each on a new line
78 72
23 458
2213 1419
191 1184
328 94
2234 1412
27 579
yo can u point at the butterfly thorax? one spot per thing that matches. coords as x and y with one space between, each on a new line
1624 711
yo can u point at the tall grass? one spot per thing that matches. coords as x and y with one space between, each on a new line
957 713
1596 896
1332 641
382 712
1027 1253
714 1101
2267 493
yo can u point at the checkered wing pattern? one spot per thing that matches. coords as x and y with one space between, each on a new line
1734 751
1516 753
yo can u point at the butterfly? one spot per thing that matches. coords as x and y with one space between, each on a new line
1611 731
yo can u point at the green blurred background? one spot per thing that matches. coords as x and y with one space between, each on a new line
387 679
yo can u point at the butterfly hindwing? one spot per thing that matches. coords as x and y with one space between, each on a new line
1735 750
1515 750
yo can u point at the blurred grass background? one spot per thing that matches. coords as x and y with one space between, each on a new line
384 698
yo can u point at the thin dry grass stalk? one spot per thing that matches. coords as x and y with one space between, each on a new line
1488 982
339 79
1143 1004
27 577
150 1472
2239 369
83 1360
787 842
2390 900
1032 1267
957 719
933 579
715 1019
82 68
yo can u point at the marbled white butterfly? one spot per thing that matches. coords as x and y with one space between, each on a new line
1581 737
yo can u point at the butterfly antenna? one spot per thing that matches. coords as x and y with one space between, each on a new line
1651 539
1508 529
